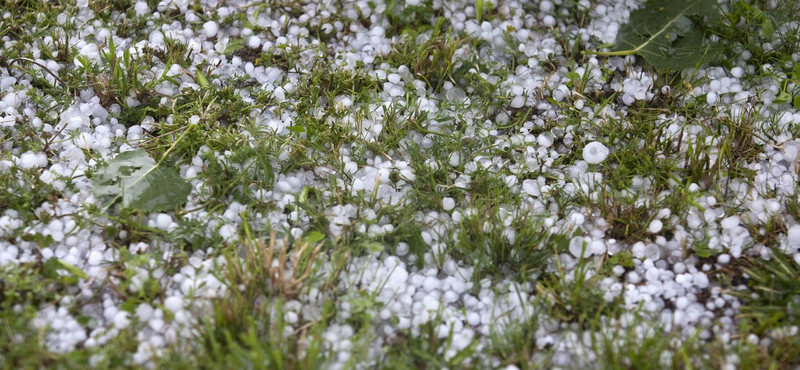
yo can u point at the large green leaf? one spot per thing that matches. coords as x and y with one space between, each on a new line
668 35
140 183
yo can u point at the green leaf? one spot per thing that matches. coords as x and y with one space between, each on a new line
233 46
478 10
129 305
54 264
264 167
783 97
374 246
767 29
296 129
303 196
623 258
201 79
796 102
44 241
140 183
314 237
573 76
667 35
702 250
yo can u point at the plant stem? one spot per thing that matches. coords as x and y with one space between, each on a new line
611 53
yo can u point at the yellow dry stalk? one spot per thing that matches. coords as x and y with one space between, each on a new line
303 261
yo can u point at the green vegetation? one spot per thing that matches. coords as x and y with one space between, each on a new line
213 146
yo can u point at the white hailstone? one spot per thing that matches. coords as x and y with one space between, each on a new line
711 98
576 246
121 320
724 259
448 203
279 93
545 139
793 235
227 232
577 218
681 303
397 280
655 226
517 102
141 8
10 100
455 159
407 174
450 267
140 247
652 252
773 206
549 21
95 258
729 222
210 29
431 283
638 250
284 186
634 277
291 317
163 221
174 304
254 42
560 93
31 159
144 312
701 280
402 249
737 72
531 188
628 99
84 140
597 247
450 296
511 180
156 324
595 152
473 318
6 82
396 91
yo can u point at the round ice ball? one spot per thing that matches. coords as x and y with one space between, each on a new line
794 235
655 226
210 29
595 152
141 8
173 304
577 246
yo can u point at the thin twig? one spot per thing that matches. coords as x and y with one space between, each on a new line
29 60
